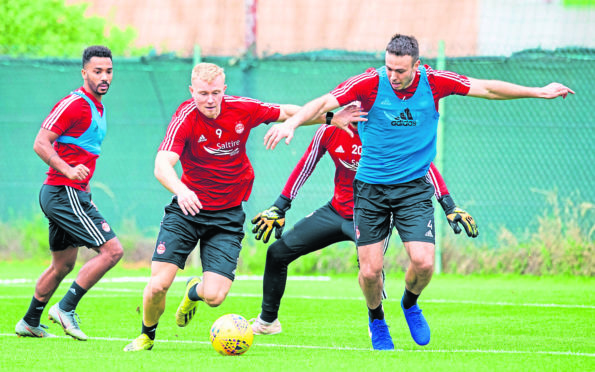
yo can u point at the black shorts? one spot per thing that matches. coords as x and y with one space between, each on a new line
220 234
408 206
317 230
74 220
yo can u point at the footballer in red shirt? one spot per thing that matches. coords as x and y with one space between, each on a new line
207 136
69 141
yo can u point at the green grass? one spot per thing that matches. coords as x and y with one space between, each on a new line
483 323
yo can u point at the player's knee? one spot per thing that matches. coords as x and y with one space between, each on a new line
370 273
156 289
214 300
62 269
277 253
423 265
112 252
116 254
214 296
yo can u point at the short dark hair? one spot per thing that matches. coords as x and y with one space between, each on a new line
96 51
403 45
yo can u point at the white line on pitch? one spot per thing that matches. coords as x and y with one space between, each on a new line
291 278
436 301
339 348
123 292
144 279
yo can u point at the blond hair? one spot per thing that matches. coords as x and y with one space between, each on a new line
206 72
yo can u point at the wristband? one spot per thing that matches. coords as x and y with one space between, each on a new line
448 205
283 203
329 117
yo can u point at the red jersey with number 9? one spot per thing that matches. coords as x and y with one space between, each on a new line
213 151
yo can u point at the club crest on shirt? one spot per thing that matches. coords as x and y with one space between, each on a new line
105 226
161 248
239 127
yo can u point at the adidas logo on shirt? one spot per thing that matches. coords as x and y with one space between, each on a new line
202 138
339 150
405 119
385 102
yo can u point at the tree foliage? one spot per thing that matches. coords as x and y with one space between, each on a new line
50 28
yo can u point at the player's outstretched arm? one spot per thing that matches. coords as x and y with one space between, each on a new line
166 174
456 216
497 89
312 112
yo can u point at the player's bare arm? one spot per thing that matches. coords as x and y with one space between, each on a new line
501 90
287 111
44 148
311 112
284 130
166 174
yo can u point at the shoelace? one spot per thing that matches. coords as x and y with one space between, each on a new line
383 336
417 318
381 331
75 318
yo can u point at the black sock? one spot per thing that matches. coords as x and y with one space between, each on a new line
192 294
409 299
34 313
274 280
150 331
377 313
72 297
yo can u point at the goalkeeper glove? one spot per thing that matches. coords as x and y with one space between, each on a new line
271 219
456 215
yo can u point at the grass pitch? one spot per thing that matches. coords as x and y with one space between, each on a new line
492 323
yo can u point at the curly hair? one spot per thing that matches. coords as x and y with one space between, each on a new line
96 51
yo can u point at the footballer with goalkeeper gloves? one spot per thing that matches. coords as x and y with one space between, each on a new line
329 224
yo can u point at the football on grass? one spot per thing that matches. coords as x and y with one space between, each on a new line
231 334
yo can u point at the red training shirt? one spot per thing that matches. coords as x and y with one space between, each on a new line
213 151
364 87
71 116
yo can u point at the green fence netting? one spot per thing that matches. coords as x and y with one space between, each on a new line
503 161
